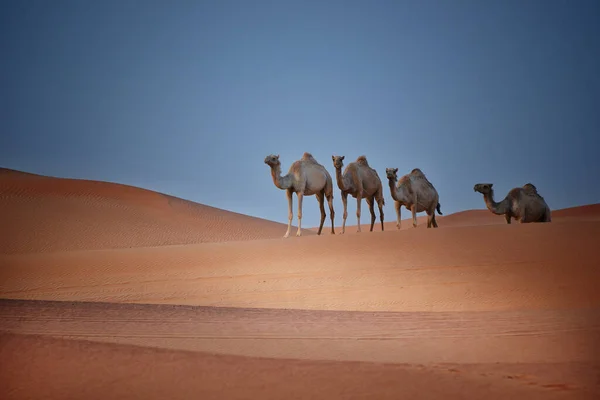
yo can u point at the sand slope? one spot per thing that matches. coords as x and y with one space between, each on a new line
115 349
46 214
501 267
67 369
385 337
110 291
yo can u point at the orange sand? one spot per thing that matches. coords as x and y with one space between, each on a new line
112 291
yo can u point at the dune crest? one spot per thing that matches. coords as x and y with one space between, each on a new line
47 214
480 217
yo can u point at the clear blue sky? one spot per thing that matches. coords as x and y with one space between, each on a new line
188 97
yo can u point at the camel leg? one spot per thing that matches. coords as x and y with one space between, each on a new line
358 201
371 203
524 217
289 195
507 217
414 211
300 197
433 220
321 199
331 212
398 220
380 204
345 203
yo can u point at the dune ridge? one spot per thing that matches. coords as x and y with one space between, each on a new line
47 214
478 217
385 337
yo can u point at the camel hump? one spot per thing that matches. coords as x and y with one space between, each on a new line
308 157
530 188
362 160
420 176
417 172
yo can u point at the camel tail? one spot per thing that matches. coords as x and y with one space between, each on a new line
380 190
438 209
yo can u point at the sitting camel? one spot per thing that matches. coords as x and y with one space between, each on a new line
306 177
521 203
415 193
360 181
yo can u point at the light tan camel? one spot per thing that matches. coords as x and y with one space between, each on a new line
416 193
361 182
306 177
521 203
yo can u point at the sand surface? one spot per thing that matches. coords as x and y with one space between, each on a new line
110 291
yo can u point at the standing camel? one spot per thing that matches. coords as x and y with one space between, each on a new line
415 193
306 177
521 203
360 181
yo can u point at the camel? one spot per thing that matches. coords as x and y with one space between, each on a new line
523 204
416 193
306 177
361 182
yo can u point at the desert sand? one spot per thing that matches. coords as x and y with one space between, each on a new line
112 291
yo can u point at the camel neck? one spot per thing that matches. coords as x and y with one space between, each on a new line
340 179
282 182
393 188
496 208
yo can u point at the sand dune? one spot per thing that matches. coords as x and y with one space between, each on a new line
113 290
498 267
478 217
46 214
587 212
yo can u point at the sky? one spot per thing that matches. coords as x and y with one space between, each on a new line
188 97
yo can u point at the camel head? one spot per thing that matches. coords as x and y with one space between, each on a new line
272 160
484 188
392 173
338 161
